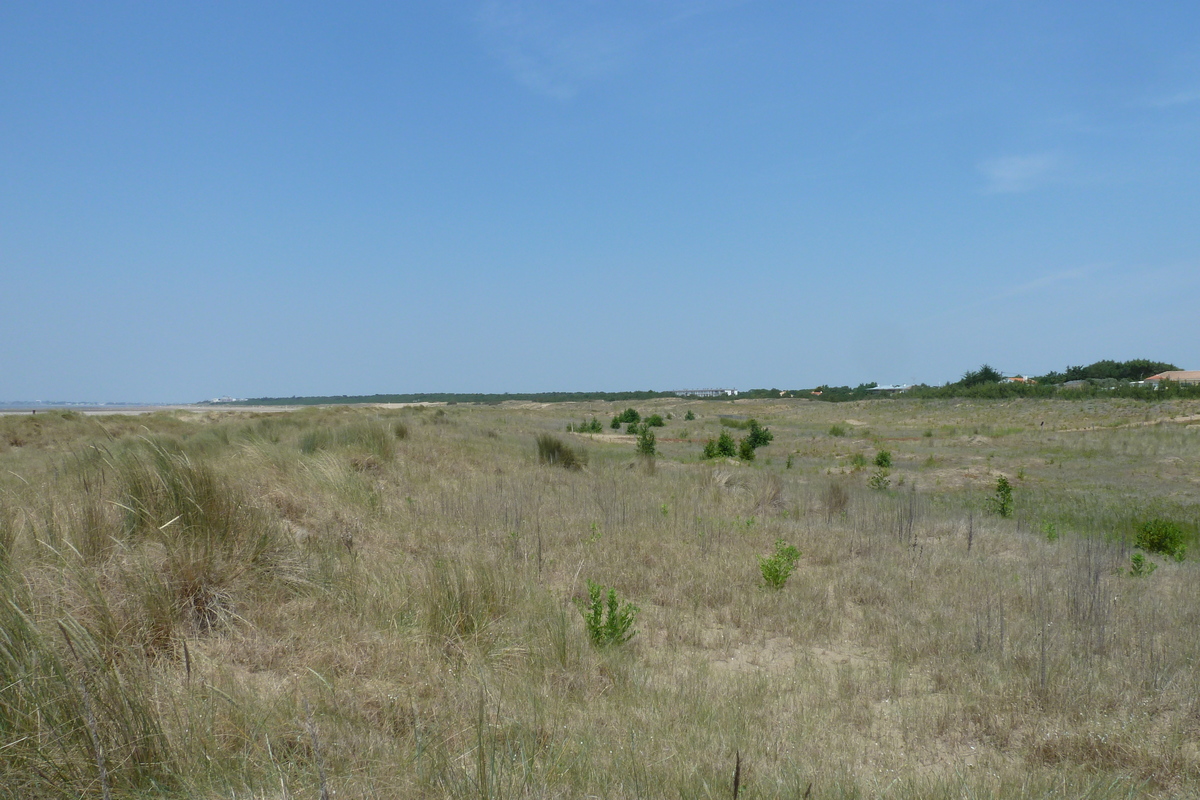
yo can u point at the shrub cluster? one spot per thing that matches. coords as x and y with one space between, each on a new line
724 447
590 426
1162 536
629 415
552 450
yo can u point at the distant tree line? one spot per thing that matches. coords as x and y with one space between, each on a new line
1107 378
453 397
1136 370
1101 379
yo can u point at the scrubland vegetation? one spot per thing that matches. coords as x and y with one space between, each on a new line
423 602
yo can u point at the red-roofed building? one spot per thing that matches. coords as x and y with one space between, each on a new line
1184 377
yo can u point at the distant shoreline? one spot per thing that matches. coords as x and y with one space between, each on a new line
131 409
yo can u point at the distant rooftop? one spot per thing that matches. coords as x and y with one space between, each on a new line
1189 377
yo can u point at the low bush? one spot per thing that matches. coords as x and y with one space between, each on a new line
883 459
722 447
759 436
879 480
837 430
608 621
552 450
777 567
655 421
1139 567
1162 536
1001 503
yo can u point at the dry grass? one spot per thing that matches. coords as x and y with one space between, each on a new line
380 604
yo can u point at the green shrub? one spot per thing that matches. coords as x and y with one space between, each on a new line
759 436
629 415
589 426
837 430
858 461
879 480
616 423
746 450
1001 503
655 421
608 621
1139 567
689 416
726 447
552 450
738 424
646 443
883 459
777 567
1162 536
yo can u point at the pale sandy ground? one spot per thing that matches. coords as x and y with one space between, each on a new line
220 407
136 410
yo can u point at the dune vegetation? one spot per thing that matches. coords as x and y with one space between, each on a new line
476 602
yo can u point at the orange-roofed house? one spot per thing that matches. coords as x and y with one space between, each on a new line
1184 377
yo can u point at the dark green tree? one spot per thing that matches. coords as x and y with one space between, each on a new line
985 374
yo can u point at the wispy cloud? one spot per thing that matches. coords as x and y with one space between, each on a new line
1011 174
554 49
1172 100
557 48
1036 285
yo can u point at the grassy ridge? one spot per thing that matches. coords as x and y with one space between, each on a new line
383 603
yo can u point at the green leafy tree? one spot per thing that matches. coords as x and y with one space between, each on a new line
985 374
746 450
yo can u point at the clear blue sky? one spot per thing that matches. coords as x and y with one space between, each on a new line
200 199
